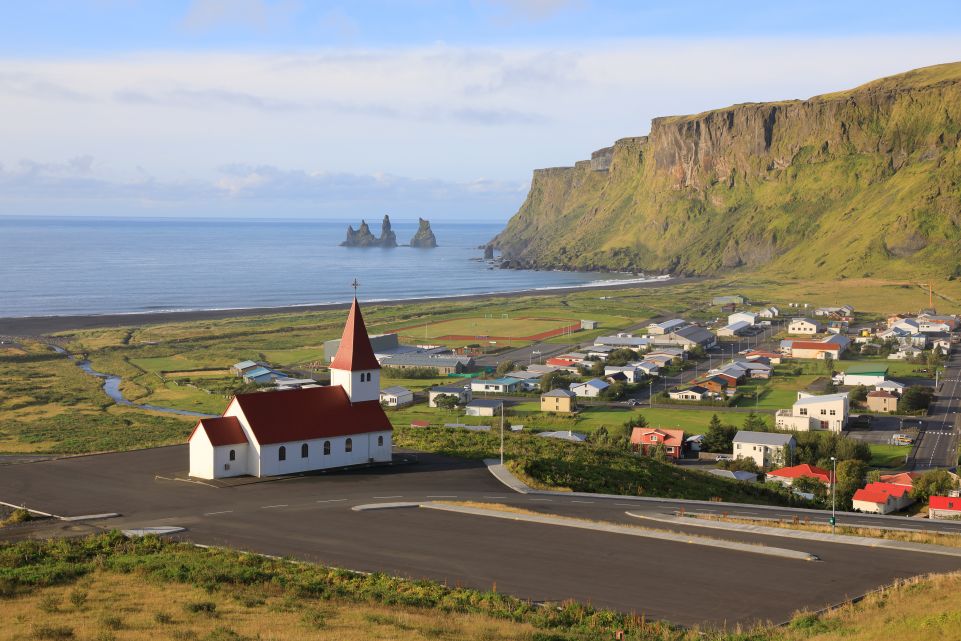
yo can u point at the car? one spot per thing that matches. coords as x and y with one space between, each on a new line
633 402
724 457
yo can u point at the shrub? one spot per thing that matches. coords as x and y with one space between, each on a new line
163 618
78 598
111 622
315 618
49 603
222 633
201 607
46 631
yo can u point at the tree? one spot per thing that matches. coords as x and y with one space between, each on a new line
658 452
859 394
597 368
810 485
621 356
829 365
850 477
933 483
556 380
613 392
447 401
743 464
504 367
755 423
697 351
915 399
636 421
719 437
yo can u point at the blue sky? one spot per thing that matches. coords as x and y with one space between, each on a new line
298 108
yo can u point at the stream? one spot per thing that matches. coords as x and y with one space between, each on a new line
111 386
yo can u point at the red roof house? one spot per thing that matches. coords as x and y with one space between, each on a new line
901 478
944 507
874 501
787 475
644 439
301 430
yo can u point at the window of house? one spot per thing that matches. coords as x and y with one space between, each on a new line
380 441
326 448
834 412
804 411
233 455
824 412
349 445
282 453
303 451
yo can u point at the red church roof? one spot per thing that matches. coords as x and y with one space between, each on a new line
309 413
223 430
355 352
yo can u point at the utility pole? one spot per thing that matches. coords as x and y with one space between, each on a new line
834 493
502 432
650 393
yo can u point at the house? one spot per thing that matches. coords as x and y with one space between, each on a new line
735 475
882 401
462 392
787 475
688 338
900 495
666 355
600 352
261 375
420 424
734 329
567 363
666 327
631 373
804 327
617 377
766 448
756 369
558 400
693 443
811 412
565 435
505 385
814 349
647 367
727 300
590 389
301 430
294 383
774 358
396 396
589 324
890 386
444 362
865 374
624 340
379 343
901 478
483 407
944 507
644 439
769 312
714 384
746 317
696 393
881 498
243 366
530 381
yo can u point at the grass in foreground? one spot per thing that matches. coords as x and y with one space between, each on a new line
930 538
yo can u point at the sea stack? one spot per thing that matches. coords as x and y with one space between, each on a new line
363 237
388 238
424 236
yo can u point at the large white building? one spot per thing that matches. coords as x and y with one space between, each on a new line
804 327
815 413
301 430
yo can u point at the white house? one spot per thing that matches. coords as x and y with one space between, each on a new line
804 327
506 385
766 448
396 396
666 327
565 435
770 312
695 393
590 389
647 367
890 386
734 329
484 407
813 413
865 374
462 392
301 430
746 317
630 372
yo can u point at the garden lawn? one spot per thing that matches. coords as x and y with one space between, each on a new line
889 456
695 421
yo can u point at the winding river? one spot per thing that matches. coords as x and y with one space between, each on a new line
111 386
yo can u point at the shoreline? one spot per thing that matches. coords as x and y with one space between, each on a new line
35 326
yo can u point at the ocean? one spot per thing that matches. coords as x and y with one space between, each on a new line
65 266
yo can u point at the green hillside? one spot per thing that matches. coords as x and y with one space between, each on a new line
857 183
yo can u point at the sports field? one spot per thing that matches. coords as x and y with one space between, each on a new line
491 328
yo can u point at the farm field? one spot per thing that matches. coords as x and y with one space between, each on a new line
490 327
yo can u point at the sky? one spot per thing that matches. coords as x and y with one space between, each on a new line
349 110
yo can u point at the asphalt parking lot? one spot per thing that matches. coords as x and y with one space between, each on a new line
310 518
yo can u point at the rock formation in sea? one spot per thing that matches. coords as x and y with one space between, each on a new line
424 236
387 236
363 237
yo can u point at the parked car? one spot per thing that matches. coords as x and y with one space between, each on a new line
633 402
724 457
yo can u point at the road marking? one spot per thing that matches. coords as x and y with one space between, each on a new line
267 507
442 496
330 500
626 504
213 513
493 497
399 496
582 501
548 500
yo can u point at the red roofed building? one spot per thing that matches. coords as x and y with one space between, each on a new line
944 507
643 439
901 478
787 475
882 498
814 349
301 430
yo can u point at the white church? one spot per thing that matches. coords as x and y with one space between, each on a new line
290 431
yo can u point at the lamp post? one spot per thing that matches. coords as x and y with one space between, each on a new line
502 432
834 493
650 392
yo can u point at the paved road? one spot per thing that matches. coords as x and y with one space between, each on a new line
310 518
938 439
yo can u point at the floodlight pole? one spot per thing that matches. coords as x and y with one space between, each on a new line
834 493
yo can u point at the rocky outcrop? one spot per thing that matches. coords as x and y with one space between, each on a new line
844 184
424 237
363 237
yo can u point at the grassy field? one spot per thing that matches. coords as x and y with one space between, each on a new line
482 327
892 456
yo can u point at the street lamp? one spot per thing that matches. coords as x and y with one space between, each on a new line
834 493
502 432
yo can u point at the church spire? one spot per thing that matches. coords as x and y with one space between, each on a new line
355 352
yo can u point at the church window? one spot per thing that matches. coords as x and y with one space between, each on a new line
233 455
349 446
303 451
380 441
282 453
326 448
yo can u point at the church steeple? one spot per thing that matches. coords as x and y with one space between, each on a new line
354 367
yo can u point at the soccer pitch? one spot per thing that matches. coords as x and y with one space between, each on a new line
494 327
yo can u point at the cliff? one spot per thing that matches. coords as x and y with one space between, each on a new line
850 183
424 237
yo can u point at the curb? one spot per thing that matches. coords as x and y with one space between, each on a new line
502 474
367 507
846 539
613 528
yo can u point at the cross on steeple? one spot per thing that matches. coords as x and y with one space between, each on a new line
355 285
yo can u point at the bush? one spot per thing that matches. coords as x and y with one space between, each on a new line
47 631
163 618
201 607
78 598
111 622
49 603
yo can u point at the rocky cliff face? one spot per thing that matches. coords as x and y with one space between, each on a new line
424 237
851 183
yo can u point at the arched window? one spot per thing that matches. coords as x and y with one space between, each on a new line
233 455
326 448
380 441
282 453
303 451
349 446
